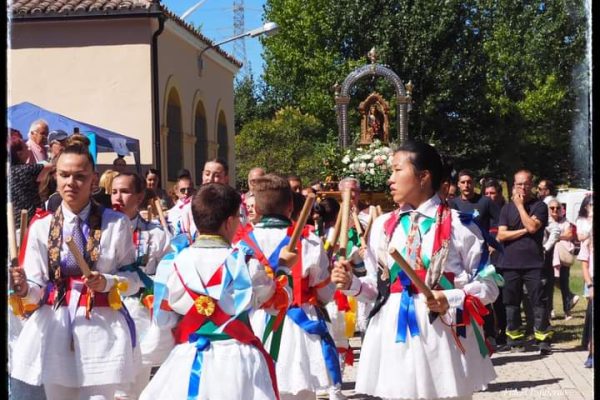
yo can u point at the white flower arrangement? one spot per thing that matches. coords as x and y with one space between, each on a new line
371 165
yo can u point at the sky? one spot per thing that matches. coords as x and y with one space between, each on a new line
216 19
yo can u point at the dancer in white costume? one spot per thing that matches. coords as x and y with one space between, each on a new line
301 365
151 243
403 355
213 286
75 344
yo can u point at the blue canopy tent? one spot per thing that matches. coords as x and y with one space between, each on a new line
20 116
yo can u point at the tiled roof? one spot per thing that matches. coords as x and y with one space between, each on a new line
34 9
20 8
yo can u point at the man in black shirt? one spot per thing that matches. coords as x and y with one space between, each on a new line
484 211
521 230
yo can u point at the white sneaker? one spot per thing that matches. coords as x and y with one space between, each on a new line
574 301
335 393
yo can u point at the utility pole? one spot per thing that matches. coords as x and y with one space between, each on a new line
239 47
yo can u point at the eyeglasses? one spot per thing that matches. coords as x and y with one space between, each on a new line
554 208
186 190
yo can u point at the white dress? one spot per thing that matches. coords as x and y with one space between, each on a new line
430 365
152 244
102 351
300 365
230 369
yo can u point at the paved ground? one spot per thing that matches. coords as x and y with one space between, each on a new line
527 375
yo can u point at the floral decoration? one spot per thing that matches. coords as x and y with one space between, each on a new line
204 305
371 165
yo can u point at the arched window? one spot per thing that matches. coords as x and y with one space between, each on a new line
222 137
201 147
175 136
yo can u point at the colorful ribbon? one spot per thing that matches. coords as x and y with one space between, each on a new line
202 343
407 316
318 327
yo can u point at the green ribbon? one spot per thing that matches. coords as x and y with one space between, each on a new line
490 272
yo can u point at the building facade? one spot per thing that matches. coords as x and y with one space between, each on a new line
130 66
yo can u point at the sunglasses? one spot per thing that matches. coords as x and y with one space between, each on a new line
186 190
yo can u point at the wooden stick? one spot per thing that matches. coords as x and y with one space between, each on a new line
344 227
379 210
329 246
411 273
358 229
306 208
369 223
24 224
16 303
78 257
161 214
150 214
12 236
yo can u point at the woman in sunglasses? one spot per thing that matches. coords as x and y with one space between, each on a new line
558 239
184 189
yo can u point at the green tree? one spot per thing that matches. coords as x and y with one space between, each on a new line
492 80
286 144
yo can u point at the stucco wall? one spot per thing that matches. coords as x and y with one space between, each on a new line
178 69
97 71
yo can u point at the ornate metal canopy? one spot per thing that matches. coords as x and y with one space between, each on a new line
403 95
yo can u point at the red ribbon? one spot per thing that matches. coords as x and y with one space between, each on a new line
341 300
39 214
474 308
238 330
348 355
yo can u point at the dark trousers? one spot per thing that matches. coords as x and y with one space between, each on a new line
513 293
548 289
565 290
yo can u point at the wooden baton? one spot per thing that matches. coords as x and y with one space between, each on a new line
306 208
369 224
344 227
358 228
12 236
15 301
161 214
402 263
24 223
330 246
78 257
379 210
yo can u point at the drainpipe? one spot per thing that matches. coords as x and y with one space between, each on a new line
155 91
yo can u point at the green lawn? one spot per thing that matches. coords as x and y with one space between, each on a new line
569 333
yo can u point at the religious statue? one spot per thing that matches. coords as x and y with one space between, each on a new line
375 123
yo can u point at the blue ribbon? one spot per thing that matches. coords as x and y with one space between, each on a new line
135 267
318 327
274 257
202 344
163 270
467 218
130 324
407 316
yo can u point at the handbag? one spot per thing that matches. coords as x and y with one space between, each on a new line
566 257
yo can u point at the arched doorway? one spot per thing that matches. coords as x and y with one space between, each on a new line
175 136
201 146
222 137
